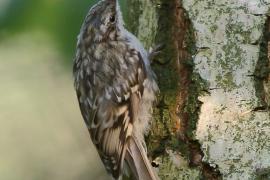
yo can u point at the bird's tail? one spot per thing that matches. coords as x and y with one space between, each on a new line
138 162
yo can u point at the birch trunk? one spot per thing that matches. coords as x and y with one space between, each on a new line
212 119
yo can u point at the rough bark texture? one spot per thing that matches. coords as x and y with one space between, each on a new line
212 120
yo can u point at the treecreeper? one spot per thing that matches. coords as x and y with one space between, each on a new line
116 89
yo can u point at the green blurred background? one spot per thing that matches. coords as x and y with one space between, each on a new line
42 134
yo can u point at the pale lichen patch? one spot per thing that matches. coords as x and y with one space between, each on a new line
174 166
232 133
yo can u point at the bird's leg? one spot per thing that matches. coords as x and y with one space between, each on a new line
154 52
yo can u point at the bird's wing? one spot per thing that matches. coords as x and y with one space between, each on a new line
110 116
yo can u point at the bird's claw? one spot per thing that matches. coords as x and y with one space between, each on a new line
153 52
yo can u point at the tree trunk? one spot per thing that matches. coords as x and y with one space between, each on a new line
212 119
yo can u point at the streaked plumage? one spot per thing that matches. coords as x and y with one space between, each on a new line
116 88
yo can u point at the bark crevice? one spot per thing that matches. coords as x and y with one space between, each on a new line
179 106
191 87
261 75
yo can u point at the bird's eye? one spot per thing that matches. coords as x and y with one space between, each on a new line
112 18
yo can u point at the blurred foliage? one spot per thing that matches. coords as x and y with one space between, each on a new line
62 19
42 134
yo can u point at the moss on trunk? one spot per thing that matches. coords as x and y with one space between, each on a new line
171 136
202 43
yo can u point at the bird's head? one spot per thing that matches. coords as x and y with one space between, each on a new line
103 22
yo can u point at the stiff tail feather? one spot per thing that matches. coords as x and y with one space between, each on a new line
138 162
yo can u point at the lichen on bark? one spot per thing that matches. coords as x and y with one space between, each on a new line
212 118
233 126
176 112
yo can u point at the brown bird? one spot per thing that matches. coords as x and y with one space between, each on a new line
116 89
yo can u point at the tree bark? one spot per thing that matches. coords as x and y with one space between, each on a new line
212 118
